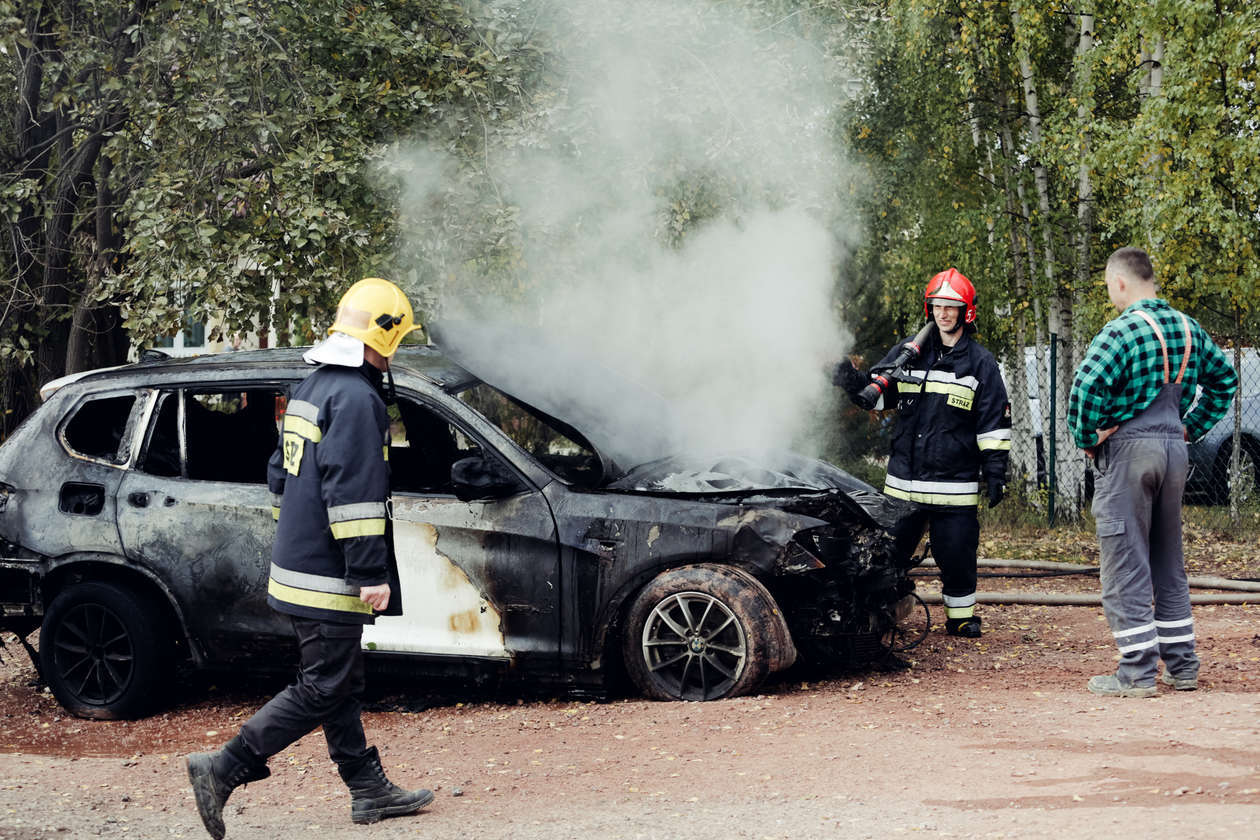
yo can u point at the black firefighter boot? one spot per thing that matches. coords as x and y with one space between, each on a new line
215 775
968 628
374 797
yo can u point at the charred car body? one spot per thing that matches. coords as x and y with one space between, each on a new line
136 530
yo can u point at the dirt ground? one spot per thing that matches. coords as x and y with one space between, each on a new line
995 737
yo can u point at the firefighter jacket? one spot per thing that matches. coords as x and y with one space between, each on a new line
953 420
329 480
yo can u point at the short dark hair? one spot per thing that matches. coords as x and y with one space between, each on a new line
1133 261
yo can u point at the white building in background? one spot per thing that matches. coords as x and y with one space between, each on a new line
193 339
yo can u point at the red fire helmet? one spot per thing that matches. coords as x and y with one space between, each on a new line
951 289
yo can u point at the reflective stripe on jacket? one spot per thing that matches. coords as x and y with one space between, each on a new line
330 483
953 418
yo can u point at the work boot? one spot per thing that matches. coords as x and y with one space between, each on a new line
1109 685
215 775
968 628
1189 683
374 797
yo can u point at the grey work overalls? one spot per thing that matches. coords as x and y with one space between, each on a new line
1140 475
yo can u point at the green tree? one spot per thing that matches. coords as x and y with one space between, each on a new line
215 159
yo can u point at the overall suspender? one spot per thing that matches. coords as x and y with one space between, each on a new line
1185 359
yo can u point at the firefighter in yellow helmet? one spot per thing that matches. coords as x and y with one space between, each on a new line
330 566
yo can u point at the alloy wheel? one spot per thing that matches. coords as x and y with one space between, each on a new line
694 645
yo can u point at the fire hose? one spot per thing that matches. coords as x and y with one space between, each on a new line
1237 593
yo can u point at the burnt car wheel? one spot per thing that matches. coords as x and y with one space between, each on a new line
702 633
101 650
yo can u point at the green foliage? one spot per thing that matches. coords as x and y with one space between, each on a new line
1176 172
232 146
267 133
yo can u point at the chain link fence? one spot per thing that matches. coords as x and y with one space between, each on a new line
1054 478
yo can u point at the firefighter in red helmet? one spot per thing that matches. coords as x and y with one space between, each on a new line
952 435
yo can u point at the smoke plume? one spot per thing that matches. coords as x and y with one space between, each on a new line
673 207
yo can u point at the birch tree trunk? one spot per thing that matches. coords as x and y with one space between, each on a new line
1150 89
1073 464
1069 476
1024 427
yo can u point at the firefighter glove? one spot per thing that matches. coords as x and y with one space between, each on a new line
849 378
997 491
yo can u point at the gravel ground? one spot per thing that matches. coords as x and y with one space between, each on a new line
994 737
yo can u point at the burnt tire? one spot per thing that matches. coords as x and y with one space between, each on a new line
103 651
704 632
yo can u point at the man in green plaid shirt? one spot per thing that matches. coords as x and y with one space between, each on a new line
1132 408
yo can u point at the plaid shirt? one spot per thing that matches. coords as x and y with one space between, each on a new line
1123 372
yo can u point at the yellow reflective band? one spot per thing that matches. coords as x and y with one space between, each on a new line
909 387
960 500
991 443
960 612
302 426
386 447
959 392
358 528
319 600
275 513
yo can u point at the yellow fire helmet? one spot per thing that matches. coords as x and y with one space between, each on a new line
376 312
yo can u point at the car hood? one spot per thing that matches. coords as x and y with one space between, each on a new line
736 473
779 476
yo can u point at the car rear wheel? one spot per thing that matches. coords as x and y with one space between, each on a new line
703 633
103 651
1247 479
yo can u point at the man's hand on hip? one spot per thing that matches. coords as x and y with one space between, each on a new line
377 597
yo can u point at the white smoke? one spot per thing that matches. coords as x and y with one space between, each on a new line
729 318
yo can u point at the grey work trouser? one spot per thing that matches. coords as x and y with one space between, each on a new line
1139 478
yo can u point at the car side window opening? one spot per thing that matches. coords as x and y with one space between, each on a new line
423 446
161 455
551 442
227 435
98 428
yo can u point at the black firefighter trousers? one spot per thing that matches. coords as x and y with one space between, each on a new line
954 534
328 691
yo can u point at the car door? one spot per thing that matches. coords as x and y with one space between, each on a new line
72 502
477 578
196 511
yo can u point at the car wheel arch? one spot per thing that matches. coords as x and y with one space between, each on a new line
67 571
612 619
774 648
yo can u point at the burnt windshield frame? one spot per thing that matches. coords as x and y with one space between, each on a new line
589 472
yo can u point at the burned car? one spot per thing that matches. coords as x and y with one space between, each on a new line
136 530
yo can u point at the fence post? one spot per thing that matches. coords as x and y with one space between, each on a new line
1052 467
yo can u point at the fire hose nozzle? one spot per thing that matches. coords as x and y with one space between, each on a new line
870 396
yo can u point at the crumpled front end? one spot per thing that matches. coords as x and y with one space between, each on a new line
834 571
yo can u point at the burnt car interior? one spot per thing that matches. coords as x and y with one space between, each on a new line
423 448
229 435
553 443
98 426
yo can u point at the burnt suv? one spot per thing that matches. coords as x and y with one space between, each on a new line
136 531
